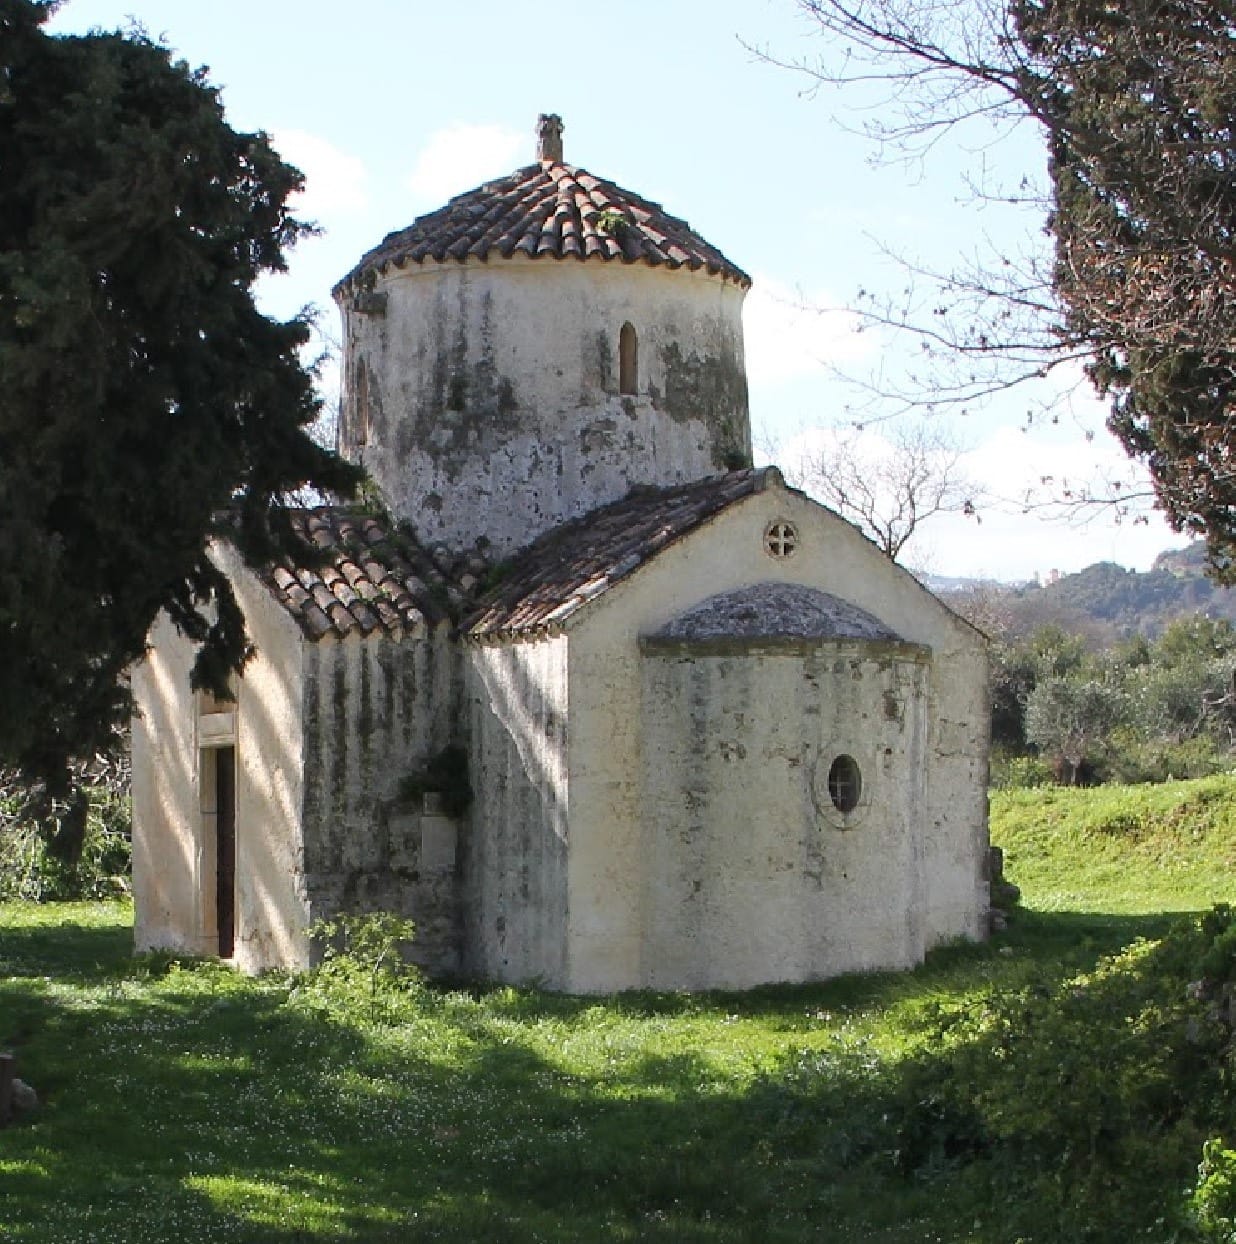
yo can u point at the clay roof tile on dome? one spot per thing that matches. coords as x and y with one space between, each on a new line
571 565
374 579
548 210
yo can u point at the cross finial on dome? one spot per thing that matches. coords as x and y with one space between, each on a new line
549 138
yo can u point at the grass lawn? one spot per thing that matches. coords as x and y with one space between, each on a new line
182 1102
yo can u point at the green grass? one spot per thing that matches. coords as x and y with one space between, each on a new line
1120 849
182 1102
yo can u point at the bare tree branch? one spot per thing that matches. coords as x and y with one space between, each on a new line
890 489
1136 104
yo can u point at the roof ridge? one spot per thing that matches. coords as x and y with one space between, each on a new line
572 564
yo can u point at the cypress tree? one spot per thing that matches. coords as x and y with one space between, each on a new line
143 396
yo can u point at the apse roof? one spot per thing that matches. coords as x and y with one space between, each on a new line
773 612
549 209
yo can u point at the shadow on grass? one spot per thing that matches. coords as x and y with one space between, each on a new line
65 949
199 1105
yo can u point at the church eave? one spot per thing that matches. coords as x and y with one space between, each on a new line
368 579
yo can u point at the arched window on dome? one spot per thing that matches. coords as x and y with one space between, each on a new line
628 359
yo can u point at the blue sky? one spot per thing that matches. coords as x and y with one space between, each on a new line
393 106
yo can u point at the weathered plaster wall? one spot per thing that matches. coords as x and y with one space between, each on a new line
607 929
484 398
174 866
270 903
168 842
515 853
376 713
750 872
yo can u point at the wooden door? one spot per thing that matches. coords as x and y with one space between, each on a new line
225 849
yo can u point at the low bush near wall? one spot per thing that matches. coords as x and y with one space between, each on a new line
363 967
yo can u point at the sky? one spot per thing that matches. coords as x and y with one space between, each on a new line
391 108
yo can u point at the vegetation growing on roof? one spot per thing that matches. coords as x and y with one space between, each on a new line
611 222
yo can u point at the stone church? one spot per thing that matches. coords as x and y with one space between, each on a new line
592 700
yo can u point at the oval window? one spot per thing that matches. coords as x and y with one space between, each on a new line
845 784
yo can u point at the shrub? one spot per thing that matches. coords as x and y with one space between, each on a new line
1133 759
1019 772
363 967
1210 1206
1065 1088
29 870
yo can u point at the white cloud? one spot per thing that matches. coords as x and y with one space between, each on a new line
789 334
335 181
461 156
1031 526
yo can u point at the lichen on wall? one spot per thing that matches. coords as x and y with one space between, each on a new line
710 386
493 391
376 711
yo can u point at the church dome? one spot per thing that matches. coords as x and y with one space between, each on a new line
548 210
535 349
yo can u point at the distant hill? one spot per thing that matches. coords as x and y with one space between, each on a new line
1189 560
1105 601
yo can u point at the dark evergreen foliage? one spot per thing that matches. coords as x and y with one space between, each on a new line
1138 101
142 394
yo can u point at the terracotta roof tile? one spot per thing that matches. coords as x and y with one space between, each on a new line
375 579
573 564
549 209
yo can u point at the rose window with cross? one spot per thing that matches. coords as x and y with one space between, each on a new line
781 540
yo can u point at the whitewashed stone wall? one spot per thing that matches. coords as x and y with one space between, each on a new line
325 735
174 862
168 847
376 714
516 844
751 873
484 397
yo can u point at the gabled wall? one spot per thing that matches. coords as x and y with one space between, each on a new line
609 946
